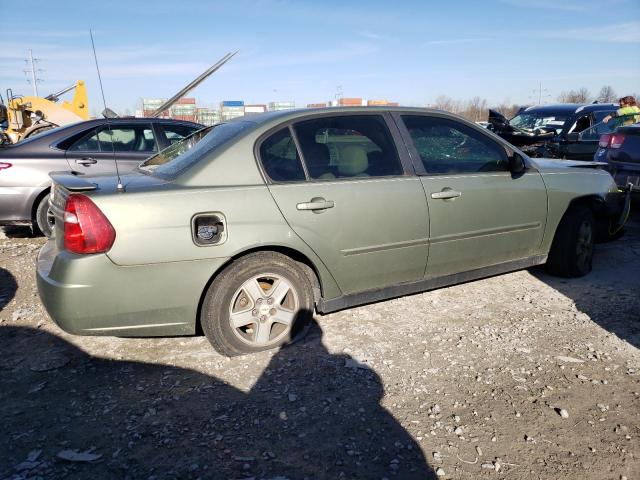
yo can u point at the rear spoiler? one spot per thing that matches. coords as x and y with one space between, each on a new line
72 181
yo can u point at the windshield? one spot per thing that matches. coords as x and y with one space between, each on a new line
182 155
533 121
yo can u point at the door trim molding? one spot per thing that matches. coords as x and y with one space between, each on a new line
425 284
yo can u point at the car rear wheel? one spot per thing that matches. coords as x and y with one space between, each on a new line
44 217
259 302
571 253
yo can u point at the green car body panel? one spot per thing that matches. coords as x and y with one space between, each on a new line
378 234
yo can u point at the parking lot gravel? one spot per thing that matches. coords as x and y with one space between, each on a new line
519 376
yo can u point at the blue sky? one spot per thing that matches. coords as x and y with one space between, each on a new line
407 51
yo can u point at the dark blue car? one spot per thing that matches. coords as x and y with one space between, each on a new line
621 150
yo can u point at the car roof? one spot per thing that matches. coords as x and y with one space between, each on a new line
293 114
570 108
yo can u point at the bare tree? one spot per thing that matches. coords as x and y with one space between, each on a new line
607 95
507 110
575 96
475 109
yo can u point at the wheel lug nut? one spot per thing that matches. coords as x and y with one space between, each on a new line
263 318
254 313
273 311
270 301
259 301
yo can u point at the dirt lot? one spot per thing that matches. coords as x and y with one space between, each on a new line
517 376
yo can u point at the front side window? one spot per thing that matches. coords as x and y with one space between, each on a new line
119 139
357 146
447 146
280 158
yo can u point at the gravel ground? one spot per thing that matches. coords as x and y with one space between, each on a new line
517 376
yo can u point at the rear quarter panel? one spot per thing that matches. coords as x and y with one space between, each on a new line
155 227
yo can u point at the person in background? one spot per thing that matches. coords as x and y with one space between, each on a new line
625 114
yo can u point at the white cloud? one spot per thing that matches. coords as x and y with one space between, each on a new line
628 32
455 41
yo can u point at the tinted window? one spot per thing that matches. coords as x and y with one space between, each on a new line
447 146
215 139
124 139
175 133
348 147
280 158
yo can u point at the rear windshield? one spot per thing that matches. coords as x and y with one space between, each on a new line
182 155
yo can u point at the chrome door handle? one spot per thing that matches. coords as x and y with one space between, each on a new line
316 204
86 161
443 195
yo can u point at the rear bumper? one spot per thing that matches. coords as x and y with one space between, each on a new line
90 295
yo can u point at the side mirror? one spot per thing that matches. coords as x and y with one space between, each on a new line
517 164
573 137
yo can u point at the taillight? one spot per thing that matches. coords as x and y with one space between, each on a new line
5 165
617 139
86 229
604 140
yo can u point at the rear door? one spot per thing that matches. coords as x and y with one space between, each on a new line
93 153
344 188
480 214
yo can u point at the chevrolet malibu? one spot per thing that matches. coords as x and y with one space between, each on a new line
267 219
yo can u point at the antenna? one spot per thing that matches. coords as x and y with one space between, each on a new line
120 187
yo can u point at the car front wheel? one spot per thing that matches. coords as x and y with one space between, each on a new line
571 253
259 302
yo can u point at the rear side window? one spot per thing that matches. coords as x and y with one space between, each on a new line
175 133
137 138
447 146
280 158
357 146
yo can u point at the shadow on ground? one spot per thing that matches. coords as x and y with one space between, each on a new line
15 231
610 294
311 414
8 287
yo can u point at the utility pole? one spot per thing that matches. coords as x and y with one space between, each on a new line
540 93
33 71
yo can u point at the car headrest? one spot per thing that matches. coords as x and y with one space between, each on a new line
353 161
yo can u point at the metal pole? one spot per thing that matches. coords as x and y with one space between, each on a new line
192 85
33 74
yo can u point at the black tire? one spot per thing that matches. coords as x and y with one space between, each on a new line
571 252
44 221
227 296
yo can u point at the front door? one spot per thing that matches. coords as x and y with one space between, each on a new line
94 152
480 214
346 193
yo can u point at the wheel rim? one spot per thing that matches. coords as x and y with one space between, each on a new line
584 245
263 309
51 220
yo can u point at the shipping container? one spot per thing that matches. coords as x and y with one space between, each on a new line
350 102
316 105
233 103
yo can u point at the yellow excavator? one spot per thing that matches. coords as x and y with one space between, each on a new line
27 116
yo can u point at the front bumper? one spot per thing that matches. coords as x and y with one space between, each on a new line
90 295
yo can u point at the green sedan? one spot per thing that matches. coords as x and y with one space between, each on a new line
247 232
